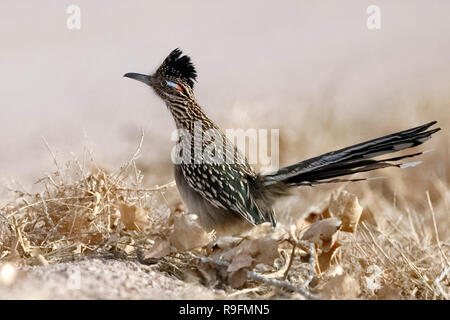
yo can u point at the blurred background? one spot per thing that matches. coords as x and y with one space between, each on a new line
310 68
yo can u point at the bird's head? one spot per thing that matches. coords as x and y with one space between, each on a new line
174 79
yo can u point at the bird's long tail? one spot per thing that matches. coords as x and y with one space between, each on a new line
329 167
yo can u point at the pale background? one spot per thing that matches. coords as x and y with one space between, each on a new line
261 64
310 68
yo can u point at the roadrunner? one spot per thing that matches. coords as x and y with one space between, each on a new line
230 196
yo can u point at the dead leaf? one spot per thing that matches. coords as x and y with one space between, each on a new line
240 261
345 206
322 231
267 250
160 248
237 279
247 247
227 242
187 233
325 257
264 250
132 217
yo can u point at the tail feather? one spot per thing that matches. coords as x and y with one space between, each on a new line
347 169
353 159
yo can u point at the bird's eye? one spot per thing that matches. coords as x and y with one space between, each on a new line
175 86
172 84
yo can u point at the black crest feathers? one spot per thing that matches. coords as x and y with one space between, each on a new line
180 66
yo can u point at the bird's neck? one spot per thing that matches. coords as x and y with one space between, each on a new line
190 116
199 135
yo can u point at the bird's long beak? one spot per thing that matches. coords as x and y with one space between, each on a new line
140 77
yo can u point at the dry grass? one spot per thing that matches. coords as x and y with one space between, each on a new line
81 211
399 250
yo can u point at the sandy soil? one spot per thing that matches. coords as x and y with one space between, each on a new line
100 278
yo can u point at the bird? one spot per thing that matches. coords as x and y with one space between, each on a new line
230 197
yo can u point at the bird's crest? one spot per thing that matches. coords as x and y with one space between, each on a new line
179 66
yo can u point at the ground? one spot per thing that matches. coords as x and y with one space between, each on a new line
100 278
95 233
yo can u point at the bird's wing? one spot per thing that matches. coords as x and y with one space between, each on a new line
227 186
